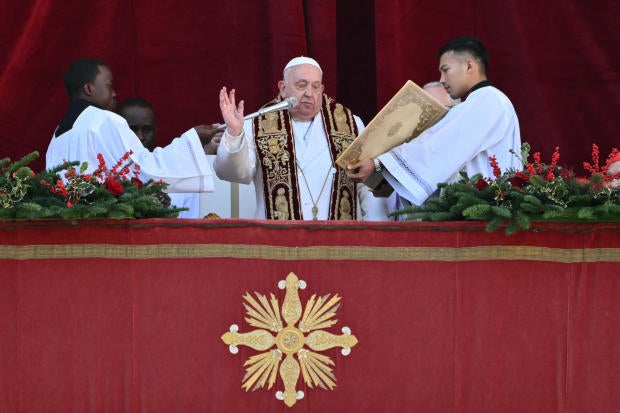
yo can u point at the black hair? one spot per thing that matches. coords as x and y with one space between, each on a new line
79 73
468 44
134 102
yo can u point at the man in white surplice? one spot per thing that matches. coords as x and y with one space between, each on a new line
483 125
90 127
290 155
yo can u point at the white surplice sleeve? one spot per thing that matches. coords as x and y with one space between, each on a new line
236 156
182 164
482 126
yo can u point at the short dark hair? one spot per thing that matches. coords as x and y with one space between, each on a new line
469 44
81 72
135 102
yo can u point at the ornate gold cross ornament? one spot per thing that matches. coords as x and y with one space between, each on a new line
262 368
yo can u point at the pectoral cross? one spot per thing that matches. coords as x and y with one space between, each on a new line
315 213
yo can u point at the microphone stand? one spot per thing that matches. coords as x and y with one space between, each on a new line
291 102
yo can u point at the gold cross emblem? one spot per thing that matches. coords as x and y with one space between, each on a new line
299 344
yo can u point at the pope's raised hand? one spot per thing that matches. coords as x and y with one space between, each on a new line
231 112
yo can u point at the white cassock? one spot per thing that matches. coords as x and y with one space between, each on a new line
485 124
182 164
187 200
236 162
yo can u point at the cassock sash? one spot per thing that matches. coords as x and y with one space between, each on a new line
275 146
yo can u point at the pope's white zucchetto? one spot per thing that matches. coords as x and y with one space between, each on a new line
302 60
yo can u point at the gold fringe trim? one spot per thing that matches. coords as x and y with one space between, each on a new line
271 252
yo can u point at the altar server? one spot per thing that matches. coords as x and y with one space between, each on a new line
483 125
90 128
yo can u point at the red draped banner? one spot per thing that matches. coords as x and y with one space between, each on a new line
126 316
555 60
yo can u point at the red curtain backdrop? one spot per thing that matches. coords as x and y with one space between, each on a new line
127 316
556 60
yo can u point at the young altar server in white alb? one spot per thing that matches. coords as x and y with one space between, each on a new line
290 154
90 127
483 125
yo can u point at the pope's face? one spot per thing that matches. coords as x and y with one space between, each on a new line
454 74
304 82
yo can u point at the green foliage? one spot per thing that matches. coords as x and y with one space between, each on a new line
24 195
14 179
477 211
495 223
515 199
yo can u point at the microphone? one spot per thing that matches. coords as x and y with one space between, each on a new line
288 103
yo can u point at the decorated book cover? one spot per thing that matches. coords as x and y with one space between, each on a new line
410 112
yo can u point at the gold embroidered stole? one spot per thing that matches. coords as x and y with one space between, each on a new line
275 148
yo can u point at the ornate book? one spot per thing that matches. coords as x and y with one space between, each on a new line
410 112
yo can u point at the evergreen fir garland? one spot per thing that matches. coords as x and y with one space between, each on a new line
515 199
100 195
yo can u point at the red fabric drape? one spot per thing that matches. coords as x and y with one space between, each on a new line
177 55
127 316
555 60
